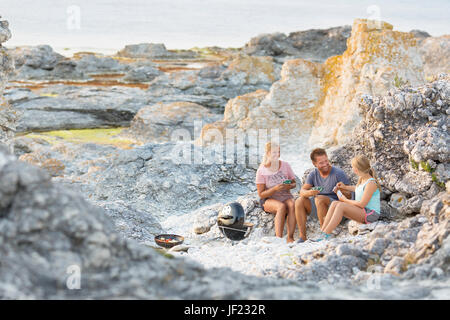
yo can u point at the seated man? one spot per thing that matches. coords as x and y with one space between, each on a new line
326 176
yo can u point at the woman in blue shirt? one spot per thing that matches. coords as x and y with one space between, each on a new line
366 206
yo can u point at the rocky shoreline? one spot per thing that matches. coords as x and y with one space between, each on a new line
95 203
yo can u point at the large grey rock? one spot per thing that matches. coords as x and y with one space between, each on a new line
405 135
5 33
314 44
92 63
153 51
428 144
156 178
142 74
160 121
68 107
213 86
132 224
36 57
435 53
420 34
42 63
8 116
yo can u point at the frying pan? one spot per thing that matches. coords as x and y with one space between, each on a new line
168 240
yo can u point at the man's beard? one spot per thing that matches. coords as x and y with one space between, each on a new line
324 170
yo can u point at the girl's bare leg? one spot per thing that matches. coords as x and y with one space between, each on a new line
279 209
347 210
329 214
291 221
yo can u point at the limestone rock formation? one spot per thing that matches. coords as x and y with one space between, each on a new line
8 116
289 105
435 53
57 107
314 45
159 121
214 85
325 96
168 178
55 245
89 63
142 74
375 56
405 135
153 51
41 62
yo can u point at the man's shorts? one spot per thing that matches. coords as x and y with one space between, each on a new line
371 216
314 208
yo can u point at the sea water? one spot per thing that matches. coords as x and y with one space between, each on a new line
108 25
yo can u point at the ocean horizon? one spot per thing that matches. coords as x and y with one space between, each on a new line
108 25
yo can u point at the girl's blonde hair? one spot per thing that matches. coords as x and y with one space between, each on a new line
363 164
268 149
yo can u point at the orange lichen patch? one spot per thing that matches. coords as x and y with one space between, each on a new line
213 53
296 67
331 72
105 83
373 42
211 131
81 54
93 169
329 82
238 107
253 65
54 167
35 158
173 69
106 75
93 162
124 59
370 41
63 149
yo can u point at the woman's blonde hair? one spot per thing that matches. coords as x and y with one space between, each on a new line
268 149
363 164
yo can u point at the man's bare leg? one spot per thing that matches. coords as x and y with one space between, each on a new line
302 209
322 204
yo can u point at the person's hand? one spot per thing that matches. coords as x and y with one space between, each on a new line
291 185
313 193
288 186
280 187
340 185
342 197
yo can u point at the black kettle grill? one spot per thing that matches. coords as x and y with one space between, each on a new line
231 222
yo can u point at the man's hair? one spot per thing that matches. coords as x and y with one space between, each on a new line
317 152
